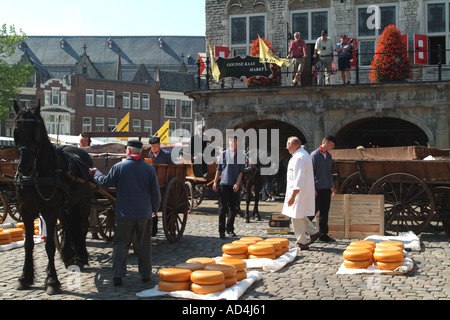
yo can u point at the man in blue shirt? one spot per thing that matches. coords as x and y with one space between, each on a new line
138 197
158 155
230 170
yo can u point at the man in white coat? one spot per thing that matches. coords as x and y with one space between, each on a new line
299 202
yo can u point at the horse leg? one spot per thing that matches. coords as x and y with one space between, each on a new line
52 284
255 209
247 206
80 214
27 277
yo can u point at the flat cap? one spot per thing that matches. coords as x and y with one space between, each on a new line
135 144
154 140
331 138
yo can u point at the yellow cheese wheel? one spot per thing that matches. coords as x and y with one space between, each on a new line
388 256
262 256
247 242
169 286
19 238
234 248
20 225
36 232
256 239
241 275
203 260
278 253
207 277
1 229
238 263
15 232
190 266
235 256
260 249
276 244
391 243
228 270
387 248
364 264
230 281
363 243
175 274
284 241
5 236
388 265
207 288
5 241
284 249
357 254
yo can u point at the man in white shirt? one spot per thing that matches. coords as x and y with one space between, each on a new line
324 50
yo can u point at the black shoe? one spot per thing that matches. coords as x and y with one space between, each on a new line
117 281
222 236
314 237
231 233
326 238
303 246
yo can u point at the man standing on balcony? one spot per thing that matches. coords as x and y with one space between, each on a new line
297 50
324 50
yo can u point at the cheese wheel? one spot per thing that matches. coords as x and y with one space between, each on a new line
391 243
276 244
260 249
278 253
203 260
207 277
169 286
284 242
15 232
262 256
363 243
247 242
234 248
19 238
5 241
238 263
284 249
235 256
190 266
230 281
357 254
388 256
388 265
175 274
228 270
387 248
364 264
241 275
5 236
36 232
256 239
207 288
20 225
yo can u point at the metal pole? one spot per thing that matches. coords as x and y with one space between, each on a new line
439 62
357 67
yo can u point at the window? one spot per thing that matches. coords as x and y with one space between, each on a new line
438 27
136 125
436 17
87 124
245 29
89 97
136 101
186 109
112 123
110 99
64 98
99 124
55 96
310 23
100 98
145 101
169 109
126 100
148 126
57 122
186 126
47 96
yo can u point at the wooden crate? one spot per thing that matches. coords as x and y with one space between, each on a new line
356 216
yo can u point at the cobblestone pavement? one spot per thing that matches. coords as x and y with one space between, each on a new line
311 276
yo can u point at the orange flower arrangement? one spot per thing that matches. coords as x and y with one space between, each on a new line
262 81
391 61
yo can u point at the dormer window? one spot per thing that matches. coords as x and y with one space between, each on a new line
110 43
62 43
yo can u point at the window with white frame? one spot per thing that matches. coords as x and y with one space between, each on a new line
186 126
89 97
172 127
112 123
148 127
136 125
47 97
110 99
145 101
368 33
100 98
126 100
87 124
136 101
245 29
310 23
64 98
55 96
186 109
56 122
170 109
438 30
99 124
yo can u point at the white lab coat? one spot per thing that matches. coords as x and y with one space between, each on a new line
300 176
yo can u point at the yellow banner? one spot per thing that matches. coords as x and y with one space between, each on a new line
214 67
124 124
163 133
267 56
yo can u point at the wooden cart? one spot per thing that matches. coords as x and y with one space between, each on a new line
8 168
197 185
416 191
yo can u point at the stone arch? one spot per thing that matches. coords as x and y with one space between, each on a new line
246 6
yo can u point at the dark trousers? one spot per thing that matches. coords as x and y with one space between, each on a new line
323 201
228 201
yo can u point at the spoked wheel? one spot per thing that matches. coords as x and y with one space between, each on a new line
442 209
409 203
3 208
10 197
106 223
175 209
354 185
190 192
199 192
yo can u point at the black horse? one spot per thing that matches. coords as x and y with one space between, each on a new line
253 182
48 183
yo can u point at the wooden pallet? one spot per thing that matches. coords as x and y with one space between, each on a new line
356 216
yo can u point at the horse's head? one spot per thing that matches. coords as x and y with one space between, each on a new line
28 133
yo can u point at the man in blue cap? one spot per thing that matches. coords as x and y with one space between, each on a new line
158 155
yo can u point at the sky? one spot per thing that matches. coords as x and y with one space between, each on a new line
105 17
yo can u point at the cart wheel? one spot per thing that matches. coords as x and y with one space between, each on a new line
442 209
106 223
175 209
190 192
409 203
14 213
199 192
354 185
3 208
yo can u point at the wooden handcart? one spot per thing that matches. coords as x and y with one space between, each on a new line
197 185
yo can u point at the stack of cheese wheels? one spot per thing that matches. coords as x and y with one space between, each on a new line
229 271
174 279
284 243
255 239
241 265
359 254
5 237
203 260
234 250
17 234
193 266
36 228
207 281
389 255
261 250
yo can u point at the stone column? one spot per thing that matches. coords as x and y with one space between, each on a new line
442 131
